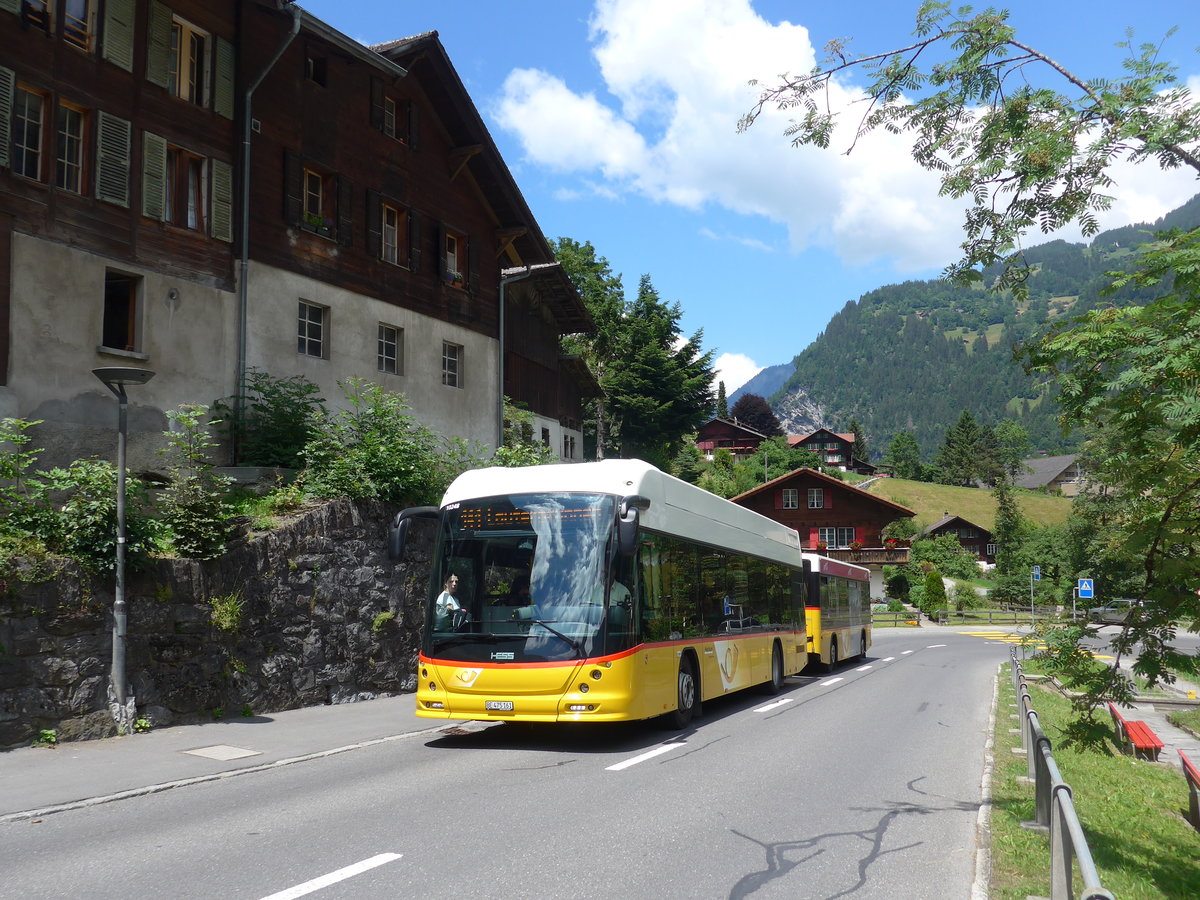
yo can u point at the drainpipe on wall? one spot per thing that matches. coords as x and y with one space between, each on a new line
244 250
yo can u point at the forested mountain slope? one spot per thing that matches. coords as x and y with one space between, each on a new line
913 356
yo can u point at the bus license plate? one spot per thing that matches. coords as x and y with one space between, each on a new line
498 705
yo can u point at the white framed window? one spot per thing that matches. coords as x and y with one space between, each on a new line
991 550
28 132
186 194
844 536
188 64
394 247
77 22
827 536
318 202
389 117
452 364
312 336
453 250
390 356
816 498
68 170
790 498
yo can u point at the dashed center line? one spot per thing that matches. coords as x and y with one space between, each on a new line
334 877
775 705
863 668
931 646
905 652
888 659
649 754
832 681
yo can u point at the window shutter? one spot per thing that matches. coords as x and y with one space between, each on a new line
293 188
8 85
114 137
158 46
12 6
345 211
118 33
377 104
472 266
374 225
414 241
441 251
222 200
223 92
412 125
826 499
154 175
779 499
814 535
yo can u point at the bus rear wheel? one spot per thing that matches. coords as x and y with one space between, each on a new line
686 699
774 684
833 656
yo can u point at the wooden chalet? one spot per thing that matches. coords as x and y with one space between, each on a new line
1054 473
276 197
832 517
975 539
727 434
834 449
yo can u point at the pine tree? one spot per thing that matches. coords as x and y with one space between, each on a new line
722 402
958 458
904 456
860 450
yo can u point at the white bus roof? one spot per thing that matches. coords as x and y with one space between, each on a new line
676 507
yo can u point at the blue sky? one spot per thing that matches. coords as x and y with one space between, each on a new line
617 119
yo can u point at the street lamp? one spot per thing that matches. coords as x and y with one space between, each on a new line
115 378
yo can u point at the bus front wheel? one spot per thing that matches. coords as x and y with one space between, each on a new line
686 699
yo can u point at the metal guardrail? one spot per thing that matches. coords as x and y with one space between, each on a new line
1054 804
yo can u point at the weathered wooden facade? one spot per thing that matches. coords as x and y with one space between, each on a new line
975 539
378 219
829 514
726 434
834 449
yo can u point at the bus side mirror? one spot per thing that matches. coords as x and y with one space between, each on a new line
398 530
627 523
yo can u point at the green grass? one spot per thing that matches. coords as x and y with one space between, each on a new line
932 501
1189 719
1131 810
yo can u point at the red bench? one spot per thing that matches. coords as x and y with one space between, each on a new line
1192 774
1138 736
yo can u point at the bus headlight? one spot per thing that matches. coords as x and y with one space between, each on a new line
581 707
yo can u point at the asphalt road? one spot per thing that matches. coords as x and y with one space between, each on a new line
864 783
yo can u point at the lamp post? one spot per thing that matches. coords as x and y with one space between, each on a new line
115 378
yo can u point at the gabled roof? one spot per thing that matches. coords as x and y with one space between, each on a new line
948 519
427 62
1044 470
829 480
794 439
733 423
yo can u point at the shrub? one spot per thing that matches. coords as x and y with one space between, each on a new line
373 451
227 611
193 504
277 419
946 554
935 593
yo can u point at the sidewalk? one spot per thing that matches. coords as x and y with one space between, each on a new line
82 773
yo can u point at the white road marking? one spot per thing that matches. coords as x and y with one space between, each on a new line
863 668
775 705
334 877
832 681
649 754
888 659
931 646
905 652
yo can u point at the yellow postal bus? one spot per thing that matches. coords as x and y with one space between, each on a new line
602 592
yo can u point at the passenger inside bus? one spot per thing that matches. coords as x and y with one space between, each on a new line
449 614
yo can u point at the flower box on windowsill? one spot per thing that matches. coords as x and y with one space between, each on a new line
317 225
454 279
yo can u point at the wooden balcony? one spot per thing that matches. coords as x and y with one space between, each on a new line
869 556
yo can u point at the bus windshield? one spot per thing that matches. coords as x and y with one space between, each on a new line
523 578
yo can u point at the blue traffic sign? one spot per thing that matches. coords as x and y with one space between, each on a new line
1085 589
1037 573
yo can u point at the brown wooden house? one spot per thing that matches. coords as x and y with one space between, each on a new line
727 434
834 449
831 516
376 233
975 539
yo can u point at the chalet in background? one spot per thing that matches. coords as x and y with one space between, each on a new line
727 434
975 539
1054 473
834 449
204 188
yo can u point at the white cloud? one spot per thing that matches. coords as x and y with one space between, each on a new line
676 74
735 369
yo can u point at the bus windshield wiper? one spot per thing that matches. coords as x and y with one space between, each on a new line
469 638
545 623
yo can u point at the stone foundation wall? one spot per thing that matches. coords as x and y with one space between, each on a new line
310 631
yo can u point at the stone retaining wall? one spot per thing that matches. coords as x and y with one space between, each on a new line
310 630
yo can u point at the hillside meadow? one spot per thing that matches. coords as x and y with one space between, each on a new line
933 501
